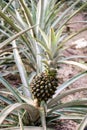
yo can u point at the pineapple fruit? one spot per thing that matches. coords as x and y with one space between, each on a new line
45 83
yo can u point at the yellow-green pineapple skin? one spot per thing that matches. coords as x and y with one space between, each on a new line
44 86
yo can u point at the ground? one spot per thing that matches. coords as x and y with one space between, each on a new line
68 71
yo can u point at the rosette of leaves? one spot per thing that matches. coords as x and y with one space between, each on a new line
42 46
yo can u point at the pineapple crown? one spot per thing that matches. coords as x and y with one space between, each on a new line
50 45
51 71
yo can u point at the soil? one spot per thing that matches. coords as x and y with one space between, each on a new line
68 71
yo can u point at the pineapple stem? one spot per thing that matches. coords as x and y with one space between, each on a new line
43 115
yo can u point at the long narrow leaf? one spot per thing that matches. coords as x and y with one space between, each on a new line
64 14
82 66
15 36
71 36
9 21
26 128
79 9
66 117
73 57
31 109
64 85
68 92
22 71
73 103
45 37
10 88
6 100
5 8
83 124
27 11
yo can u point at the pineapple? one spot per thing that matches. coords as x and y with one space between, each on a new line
45 83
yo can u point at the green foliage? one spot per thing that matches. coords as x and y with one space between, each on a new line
36 29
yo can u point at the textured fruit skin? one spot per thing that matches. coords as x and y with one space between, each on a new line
43 86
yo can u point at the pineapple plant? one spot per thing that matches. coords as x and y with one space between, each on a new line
41 46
